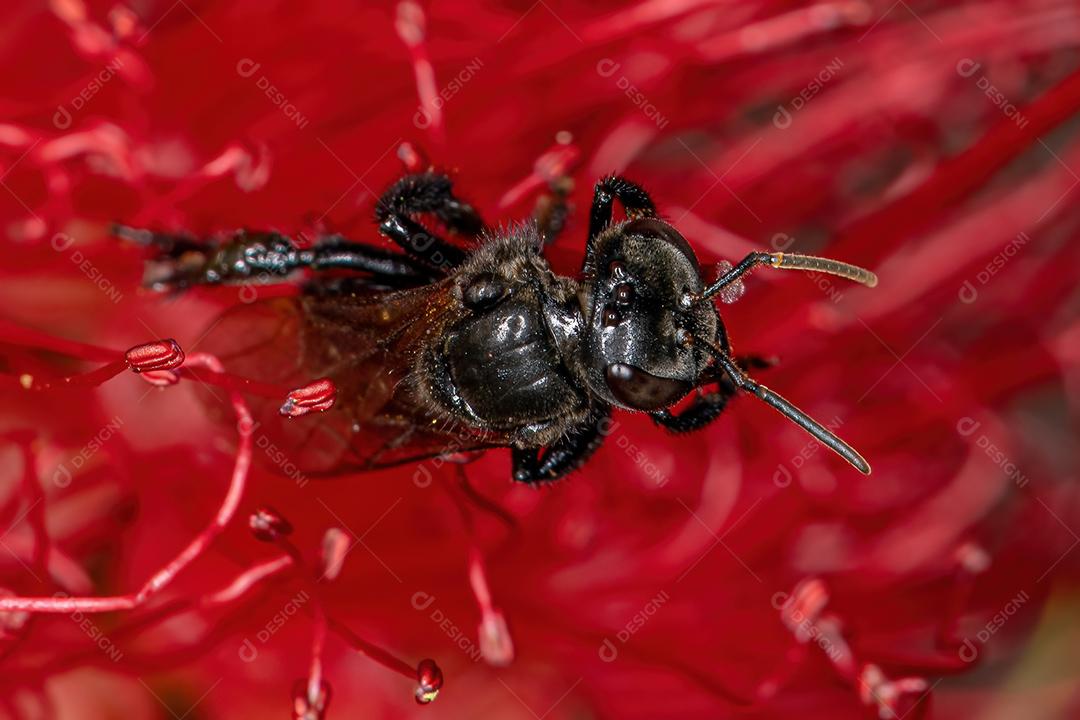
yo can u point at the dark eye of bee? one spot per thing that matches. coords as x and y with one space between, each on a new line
616 269
623 293
611 317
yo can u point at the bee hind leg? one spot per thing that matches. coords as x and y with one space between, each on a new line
263 257
170 244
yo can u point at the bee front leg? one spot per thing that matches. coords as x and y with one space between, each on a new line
553 208
703 410
707 407
634 200
562 457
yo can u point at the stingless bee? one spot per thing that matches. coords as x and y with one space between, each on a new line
437 349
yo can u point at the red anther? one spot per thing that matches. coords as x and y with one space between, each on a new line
310 703
11 621
160 355
268 525
410 23
556 161
335 545
124 21
831 641
412 158
893 699
429 680
160 378
808 599
973 558
462 458
316 396
496 644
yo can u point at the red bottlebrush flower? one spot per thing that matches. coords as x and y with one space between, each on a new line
740 571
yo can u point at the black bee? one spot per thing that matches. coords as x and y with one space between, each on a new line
438 350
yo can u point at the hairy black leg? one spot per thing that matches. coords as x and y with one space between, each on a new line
427 193
553 208
336 252
564 456
706 407
633 198
700 412
172 244
246 255
430 193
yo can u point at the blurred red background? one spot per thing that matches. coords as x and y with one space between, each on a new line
739 572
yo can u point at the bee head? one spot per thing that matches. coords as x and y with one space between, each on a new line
640 326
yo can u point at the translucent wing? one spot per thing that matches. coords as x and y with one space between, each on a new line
366 341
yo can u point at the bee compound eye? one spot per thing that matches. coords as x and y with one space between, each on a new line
484 292
639 389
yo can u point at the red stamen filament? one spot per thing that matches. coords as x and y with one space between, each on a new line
496 644
410 28
118 361
34 498
321 618
194 549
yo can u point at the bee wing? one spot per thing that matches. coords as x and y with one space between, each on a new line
366 341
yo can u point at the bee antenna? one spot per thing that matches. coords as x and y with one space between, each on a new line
797 416
786 261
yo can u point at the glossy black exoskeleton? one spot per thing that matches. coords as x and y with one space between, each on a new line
441 349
